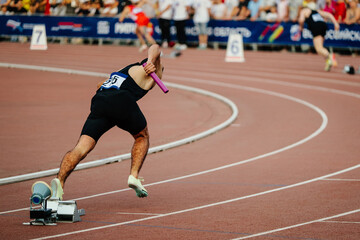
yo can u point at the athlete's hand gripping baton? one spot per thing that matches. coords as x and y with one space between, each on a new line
158 81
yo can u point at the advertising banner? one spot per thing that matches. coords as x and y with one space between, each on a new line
258 32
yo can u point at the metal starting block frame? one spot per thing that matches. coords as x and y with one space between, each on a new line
66 211
53 210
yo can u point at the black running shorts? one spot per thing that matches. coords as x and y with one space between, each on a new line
113 108
318 28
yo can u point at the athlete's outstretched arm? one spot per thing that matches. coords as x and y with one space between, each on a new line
141 3
124 13
153 62
154 53
302 17
331 17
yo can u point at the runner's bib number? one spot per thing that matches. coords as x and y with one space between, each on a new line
115 81
317 18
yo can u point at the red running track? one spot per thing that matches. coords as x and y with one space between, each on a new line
287 168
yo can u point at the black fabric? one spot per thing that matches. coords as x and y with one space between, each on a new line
116 107
316 24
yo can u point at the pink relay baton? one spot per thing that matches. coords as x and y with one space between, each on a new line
158 81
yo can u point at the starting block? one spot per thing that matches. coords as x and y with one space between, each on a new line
66 211
51 210
55 211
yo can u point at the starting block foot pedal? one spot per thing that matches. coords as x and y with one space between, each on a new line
67 211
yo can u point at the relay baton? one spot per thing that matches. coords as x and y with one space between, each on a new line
158 81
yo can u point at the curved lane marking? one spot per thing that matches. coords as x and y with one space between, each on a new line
289 75
277 82
298 225
260 91
236 199
216 204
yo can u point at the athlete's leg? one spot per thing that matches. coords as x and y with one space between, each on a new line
138 154
139 34
139 151
147 35
319 46
321 50
73 157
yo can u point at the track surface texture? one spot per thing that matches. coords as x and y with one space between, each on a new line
287 168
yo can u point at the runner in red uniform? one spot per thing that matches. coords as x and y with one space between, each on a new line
134 11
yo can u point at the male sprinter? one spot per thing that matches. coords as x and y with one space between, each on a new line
114 104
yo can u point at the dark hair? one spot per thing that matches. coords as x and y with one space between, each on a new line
126 3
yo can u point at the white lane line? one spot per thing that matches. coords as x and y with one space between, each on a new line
201 207
340 179
221 203
342 222
251 76
122 157
255 79
261 91
298 225
211 204
150 214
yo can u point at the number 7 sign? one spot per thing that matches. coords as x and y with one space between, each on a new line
38 38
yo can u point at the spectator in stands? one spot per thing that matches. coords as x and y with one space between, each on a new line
96 6
4 11
230 5
121 5
134 11
272 16
218 10
241 11
71 6
352 13
58 7
320 4
283 10
266 7
38 6
253 9
340 11
16 6
84 8
26 4
294 10
4 7
149 8
329 6
164 13
110 8
4 4
201 10
305 2
180 16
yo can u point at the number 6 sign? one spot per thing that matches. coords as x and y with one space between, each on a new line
235 49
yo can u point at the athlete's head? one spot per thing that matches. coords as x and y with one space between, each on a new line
126 3
311 5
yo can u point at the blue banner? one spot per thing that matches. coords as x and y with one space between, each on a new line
253 32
